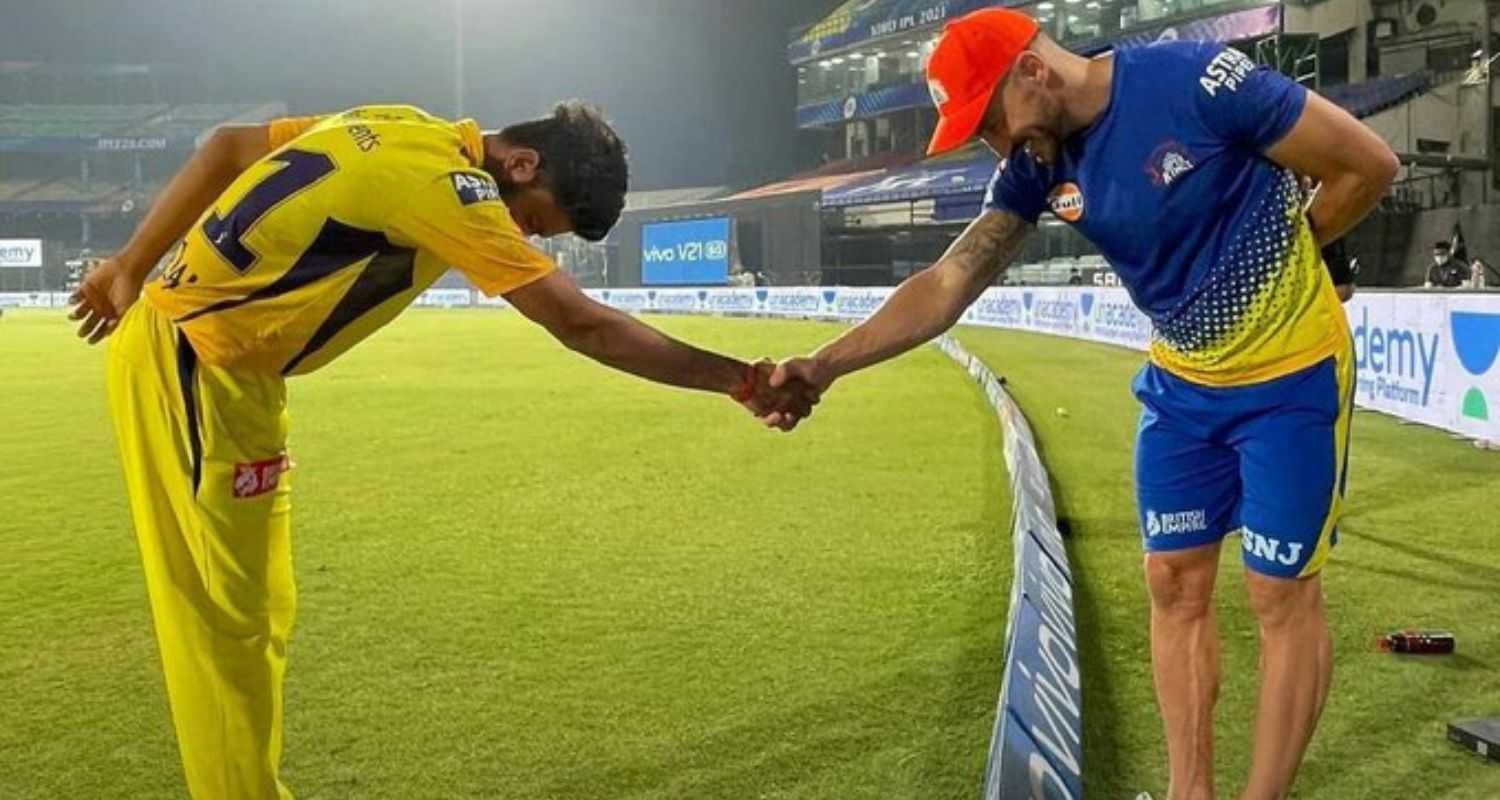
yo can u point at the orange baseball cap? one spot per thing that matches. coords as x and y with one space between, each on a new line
975 52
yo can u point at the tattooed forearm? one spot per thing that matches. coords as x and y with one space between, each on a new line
932 300
985 249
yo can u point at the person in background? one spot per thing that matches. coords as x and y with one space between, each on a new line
1075 278
1446 272
741 277
1479 274
1342 269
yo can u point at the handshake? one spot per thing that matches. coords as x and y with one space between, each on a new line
782 395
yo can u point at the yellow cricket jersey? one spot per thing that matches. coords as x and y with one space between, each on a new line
334 232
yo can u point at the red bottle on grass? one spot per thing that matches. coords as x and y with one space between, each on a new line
1419 642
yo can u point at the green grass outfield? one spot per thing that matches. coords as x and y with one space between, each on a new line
523 576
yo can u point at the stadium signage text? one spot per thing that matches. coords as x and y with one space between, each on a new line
20 252
685 252
926 16
132 143
1392 362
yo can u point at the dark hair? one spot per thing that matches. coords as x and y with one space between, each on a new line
1441 246
583 161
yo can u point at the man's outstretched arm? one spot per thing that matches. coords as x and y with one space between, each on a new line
109 289
618 340
923 306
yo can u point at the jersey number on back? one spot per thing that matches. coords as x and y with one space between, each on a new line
302 170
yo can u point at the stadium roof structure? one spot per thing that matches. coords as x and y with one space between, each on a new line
1373 96
658 198
818 183
70 196
88 70
965 172
961 178
91 128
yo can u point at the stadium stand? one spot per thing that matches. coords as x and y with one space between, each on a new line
882 209
1373 96
79 175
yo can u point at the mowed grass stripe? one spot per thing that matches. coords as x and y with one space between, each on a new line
524 576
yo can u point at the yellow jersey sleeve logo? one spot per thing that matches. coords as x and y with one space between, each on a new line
474 188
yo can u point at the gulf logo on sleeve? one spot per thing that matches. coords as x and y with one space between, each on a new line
1066 201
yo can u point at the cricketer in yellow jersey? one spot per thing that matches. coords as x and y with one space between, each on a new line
298 239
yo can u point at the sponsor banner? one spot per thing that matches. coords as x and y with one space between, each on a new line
1042 695
131 143
1099 313
446 298
689 252
1431 358
680 301
1022 772
1036 749
633 300
1423 356
20 253
33 299
490 302
793 301
731 301
858 303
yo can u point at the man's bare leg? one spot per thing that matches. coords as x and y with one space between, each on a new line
1185 662
1296 669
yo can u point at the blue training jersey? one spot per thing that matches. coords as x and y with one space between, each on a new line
1172 185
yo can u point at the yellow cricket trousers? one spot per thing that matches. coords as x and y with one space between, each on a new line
204 453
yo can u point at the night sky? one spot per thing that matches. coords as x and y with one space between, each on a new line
700 89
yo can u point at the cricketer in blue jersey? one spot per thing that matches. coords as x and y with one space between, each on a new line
1179 161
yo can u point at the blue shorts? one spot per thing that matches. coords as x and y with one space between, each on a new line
1266 460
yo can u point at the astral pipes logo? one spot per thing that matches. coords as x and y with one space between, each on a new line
1396 364
1476 338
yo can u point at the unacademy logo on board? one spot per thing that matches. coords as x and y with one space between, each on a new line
1476 338
1395 363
